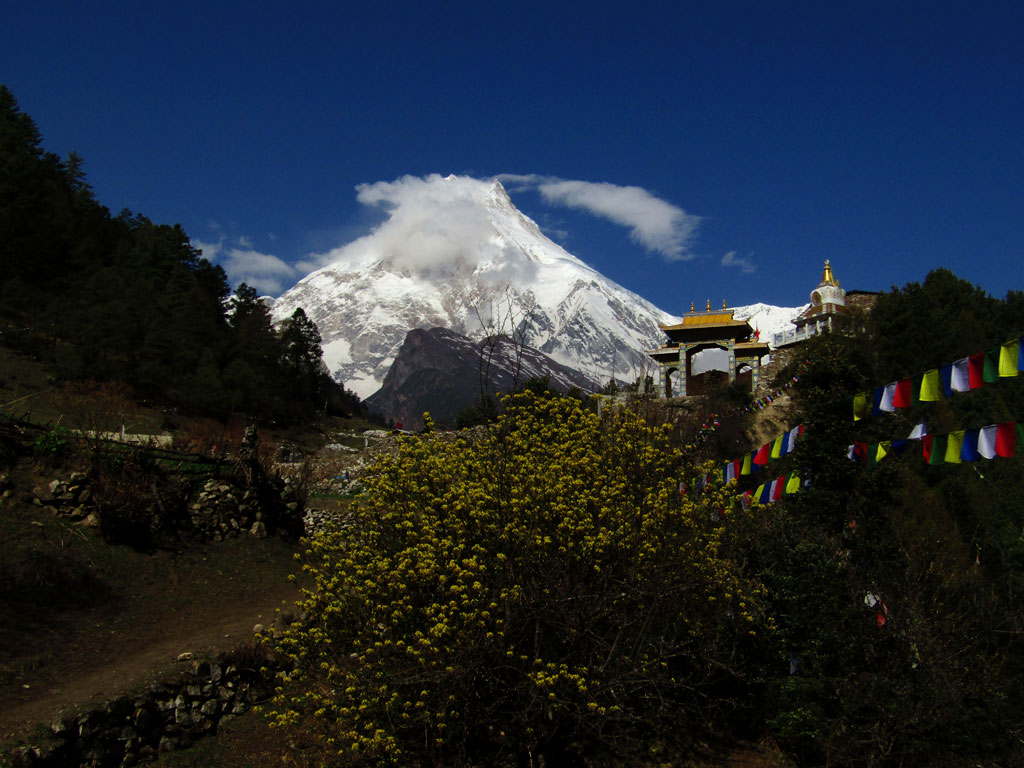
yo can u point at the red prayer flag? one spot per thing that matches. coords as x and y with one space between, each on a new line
1005 439
860 452
904 394
976 370
764 454
926 447
778 486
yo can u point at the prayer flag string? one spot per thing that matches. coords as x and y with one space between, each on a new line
971 372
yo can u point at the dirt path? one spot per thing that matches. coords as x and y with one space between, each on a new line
81 658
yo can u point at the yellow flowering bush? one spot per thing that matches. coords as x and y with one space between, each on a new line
543 590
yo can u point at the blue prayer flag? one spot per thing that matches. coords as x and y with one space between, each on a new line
969 452
876 401
946 378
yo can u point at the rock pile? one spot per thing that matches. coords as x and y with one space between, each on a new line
166 717
221 511
316 520
70 498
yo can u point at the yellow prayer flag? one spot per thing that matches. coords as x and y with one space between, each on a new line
1008 358
793 484
883 449
777 447
758 492
931 386
745 469
954 444
860 406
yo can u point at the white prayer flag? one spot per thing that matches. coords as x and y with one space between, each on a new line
960 381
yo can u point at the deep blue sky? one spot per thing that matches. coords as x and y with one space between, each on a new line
885 136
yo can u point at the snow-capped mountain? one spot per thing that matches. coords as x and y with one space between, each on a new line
473 264
505 276
768 319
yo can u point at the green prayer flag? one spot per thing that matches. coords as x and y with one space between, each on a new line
954 444
872 455
939 443
931 386
1008 354
990 373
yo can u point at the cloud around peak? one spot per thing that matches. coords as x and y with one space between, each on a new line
436 225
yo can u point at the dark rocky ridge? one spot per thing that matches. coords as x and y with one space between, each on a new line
442 372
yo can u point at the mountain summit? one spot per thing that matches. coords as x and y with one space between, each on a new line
471 262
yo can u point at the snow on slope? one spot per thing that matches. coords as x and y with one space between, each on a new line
768 319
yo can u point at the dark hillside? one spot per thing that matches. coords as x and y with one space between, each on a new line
123 298
896 586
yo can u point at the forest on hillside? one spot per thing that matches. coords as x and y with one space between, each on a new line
121 298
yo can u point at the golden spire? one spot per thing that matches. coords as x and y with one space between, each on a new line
826 277
709 305
723 303
691 307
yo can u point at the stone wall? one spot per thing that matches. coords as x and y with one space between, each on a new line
219 510
165 717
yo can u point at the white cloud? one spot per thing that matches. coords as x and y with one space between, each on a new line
263 271
436 225
743 263
209 250
656 224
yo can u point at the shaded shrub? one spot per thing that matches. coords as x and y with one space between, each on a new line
137 500
249 655
51 448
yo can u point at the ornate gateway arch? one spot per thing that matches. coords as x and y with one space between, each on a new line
707 330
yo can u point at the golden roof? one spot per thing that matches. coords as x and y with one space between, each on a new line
705 319
720 318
